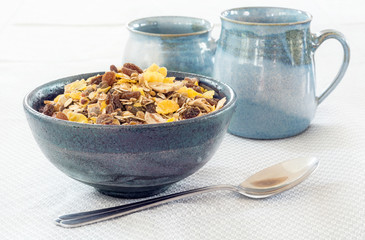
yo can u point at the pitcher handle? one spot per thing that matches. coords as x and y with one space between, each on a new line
318 39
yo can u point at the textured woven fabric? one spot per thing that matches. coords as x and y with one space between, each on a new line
328 205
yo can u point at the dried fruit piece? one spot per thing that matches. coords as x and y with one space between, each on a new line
129 95
133 67
93 110
48 109
130 68
212 101
151 108
84 101
193 86
105 119
96 79
109 109
191 113
113 68
114 99
109 78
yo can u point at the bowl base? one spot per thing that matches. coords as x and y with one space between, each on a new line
131 193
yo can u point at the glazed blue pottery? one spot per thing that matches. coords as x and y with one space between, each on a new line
266 55
177 43
128 161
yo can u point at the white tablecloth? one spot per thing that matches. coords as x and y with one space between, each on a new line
44 40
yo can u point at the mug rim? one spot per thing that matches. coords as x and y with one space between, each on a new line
310 17
130 28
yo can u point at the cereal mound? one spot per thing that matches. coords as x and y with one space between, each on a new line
130 96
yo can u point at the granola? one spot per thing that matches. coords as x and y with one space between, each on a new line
130 96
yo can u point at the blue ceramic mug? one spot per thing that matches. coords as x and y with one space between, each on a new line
266 55
177 43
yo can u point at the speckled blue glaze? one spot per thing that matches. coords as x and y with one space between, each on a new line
128 161
177 43
266 55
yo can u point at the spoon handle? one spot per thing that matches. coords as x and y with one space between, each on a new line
84 218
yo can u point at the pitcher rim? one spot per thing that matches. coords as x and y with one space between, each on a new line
209 28
310 17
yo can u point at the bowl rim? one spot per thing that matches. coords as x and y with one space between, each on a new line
229 104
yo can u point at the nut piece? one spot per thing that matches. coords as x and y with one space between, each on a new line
109 78
61 115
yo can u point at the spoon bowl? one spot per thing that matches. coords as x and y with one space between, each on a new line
285 174
265 183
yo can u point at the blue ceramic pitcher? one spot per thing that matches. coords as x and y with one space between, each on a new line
266 55
175 42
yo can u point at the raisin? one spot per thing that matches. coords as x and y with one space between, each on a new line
103 85
212 101
151 108
193 86
191 113
108 97
96 80
132 109
128 71
94 111
115 100
88 90
105 119
83 101
119 112
133 67
48 109
129 95
60 109
181 100
109 109
109 78
113 68
191 80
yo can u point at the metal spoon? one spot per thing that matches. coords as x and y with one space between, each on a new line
265 183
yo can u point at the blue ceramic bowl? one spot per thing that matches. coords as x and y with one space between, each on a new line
128 161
